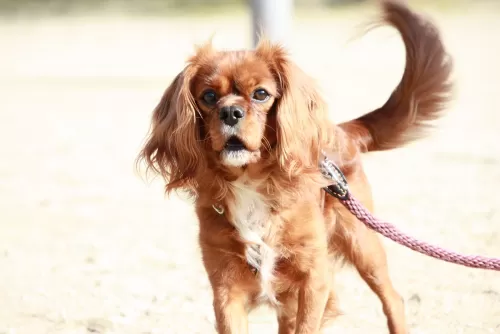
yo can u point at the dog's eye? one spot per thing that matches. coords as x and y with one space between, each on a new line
260 95
209 97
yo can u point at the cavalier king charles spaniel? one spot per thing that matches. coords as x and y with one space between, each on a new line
243 132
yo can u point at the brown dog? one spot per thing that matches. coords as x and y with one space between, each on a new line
243 131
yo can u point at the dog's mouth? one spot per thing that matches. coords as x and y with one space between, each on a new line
236 153
234 144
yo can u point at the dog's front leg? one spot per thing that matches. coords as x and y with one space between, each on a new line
230 278
313 296
230 310
307 241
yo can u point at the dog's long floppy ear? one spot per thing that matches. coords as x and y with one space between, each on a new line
301 115
173 148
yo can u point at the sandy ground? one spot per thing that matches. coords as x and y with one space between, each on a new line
87 246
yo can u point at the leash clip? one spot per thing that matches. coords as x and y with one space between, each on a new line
339 187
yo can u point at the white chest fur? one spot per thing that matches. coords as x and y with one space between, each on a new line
251 217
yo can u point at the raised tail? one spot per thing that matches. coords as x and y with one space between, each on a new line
422 93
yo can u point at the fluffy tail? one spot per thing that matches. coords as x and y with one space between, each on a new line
420 96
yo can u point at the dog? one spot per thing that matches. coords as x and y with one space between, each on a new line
243 132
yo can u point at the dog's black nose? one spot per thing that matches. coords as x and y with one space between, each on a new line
231 115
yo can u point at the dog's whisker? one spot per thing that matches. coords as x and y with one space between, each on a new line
266 144
270 127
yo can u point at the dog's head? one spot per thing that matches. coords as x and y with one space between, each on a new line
229 110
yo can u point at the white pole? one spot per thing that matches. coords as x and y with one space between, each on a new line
273 18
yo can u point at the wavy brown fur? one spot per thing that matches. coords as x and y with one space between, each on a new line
420 96
274 199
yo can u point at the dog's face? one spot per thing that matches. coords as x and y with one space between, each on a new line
235 94
233 109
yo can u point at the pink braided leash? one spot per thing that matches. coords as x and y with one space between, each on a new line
339 189
389 231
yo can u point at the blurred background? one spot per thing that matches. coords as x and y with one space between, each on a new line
88 246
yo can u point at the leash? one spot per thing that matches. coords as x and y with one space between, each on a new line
339 189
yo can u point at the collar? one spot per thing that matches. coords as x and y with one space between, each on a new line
330 170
